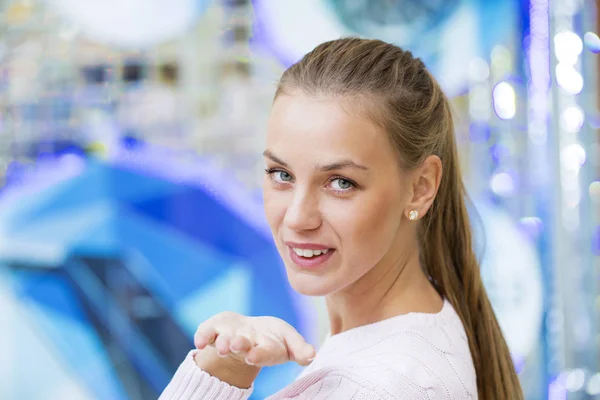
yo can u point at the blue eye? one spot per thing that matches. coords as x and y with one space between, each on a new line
283 176
279 175
342 184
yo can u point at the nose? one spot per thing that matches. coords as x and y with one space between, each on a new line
303 212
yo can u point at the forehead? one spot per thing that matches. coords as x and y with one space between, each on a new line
329 127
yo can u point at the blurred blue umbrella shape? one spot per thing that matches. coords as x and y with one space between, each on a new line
182 238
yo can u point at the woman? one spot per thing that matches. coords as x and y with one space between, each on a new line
366 204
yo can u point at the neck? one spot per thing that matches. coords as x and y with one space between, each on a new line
388 290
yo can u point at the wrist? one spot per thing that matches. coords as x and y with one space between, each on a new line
227 369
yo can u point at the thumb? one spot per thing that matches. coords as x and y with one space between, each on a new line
309 355
298 350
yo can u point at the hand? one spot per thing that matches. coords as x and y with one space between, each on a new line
256 341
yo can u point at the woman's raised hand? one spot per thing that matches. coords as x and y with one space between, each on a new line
256 341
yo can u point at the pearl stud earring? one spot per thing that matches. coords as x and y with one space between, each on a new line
413 215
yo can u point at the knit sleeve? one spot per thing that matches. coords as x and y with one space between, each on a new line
192 383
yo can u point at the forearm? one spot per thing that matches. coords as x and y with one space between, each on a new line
228 370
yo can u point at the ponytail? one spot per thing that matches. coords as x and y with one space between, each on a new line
449 258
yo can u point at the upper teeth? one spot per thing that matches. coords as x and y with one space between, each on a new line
310 253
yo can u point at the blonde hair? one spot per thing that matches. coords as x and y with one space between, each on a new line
398 93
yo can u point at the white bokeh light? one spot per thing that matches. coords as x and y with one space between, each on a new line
575 380
572 119
593 385
131 24
502 184
567 47
504 100
568 78
573 157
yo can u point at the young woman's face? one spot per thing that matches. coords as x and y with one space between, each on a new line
334 195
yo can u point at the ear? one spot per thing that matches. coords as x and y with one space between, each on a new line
425 185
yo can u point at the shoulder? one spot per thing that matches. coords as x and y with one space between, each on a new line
418 356
421 362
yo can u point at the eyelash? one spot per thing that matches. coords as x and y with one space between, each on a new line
271 171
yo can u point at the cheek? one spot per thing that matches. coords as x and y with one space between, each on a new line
370 228
274 205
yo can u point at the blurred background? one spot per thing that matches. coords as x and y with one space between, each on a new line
130 205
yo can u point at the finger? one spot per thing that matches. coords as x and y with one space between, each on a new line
222 344
241 344
268 352
298 349
306 360
205 335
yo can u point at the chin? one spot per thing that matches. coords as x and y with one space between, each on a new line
311 291
310 285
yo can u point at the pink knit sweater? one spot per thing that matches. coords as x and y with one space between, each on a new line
413 356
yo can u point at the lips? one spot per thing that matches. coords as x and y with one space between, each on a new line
309 253
309 258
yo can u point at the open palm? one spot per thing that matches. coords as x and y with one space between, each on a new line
260 341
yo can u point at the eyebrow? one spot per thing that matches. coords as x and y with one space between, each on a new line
325 168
